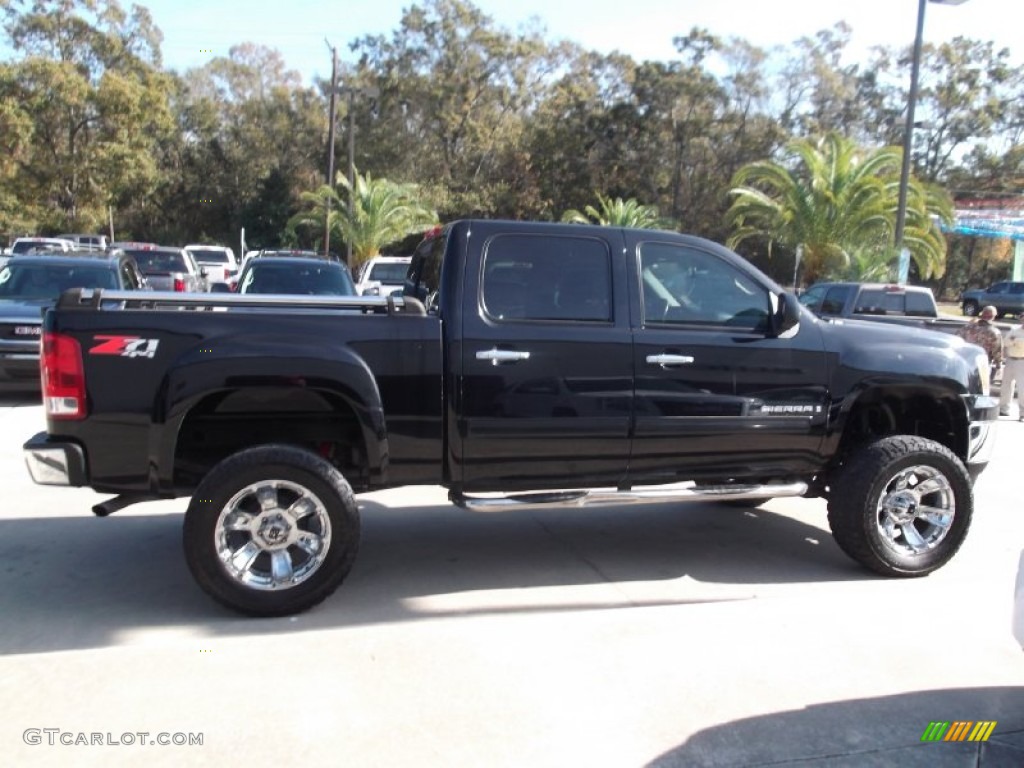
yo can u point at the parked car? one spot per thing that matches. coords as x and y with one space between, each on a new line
218 260
93 241
382 275
170 269
296 275
1007 297
30 244
30 284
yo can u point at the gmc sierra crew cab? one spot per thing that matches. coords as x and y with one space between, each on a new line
524 364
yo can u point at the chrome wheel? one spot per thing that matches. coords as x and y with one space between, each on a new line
273 534
916 510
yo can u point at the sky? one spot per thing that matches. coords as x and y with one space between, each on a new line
195 30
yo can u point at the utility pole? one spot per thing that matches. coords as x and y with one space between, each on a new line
330 147
351 165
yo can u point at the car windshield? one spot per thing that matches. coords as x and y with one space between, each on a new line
389 272
315 279
209 255
159 261
48 281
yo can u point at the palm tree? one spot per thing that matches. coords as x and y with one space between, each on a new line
834 201
319 204
382 212
617 213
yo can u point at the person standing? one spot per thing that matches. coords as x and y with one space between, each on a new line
983 333
1013 373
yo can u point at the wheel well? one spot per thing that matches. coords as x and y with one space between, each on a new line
229 421
905 411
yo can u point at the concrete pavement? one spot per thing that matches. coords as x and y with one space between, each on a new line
657 635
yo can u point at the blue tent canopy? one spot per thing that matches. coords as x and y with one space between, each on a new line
987 222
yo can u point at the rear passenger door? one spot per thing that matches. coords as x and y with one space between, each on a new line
546 365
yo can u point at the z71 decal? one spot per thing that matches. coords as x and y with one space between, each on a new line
125 346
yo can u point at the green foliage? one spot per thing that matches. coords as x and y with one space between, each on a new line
381 213
617 213
89 83
832 200
497 123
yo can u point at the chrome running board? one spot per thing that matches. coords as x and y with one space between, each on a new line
594 497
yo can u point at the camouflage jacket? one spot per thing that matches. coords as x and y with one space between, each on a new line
986 336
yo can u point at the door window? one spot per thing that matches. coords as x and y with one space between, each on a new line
541 277
689 286
835 300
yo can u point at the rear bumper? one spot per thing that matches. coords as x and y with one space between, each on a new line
984 415
54 462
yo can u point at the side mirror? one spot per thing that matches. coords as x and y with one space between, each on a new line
787 315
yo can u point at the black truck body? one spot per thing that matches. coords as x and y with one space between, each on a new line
546 363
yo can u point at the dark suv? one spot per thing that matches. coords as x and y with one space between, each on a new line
1007 297
31 283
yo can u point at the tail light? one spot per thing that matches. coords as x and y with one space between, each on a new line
63 377
179 284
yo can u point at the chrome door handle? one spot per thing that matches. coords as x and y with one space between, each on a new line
502 355
664 359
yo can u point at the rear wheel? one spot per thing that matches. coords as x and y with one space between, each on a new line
970 308
271 530
901 506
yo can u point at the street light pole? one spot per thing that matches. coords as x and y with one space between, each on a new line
908 130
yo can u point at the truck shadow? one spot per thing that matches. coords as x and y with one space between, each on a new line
80 582
883 730
20 398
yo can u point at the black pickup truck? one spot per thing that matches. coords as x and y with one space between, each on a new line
525 364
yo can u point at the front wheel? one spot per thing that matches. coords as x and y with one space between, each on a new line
970 308
901 506
271 530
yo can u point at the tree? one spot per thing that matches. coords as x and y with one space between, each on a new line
250 140
832 200
89 79
455 91
381 212
616 213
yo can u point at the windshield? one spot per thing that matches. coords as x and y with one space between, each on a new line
159 261
48 281
209 255
315 279
389 272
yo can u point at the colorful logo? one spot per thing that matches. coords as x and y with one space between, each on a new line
959 730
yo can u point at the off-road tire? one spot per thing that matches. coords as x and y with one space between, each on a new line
881 525
262 514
